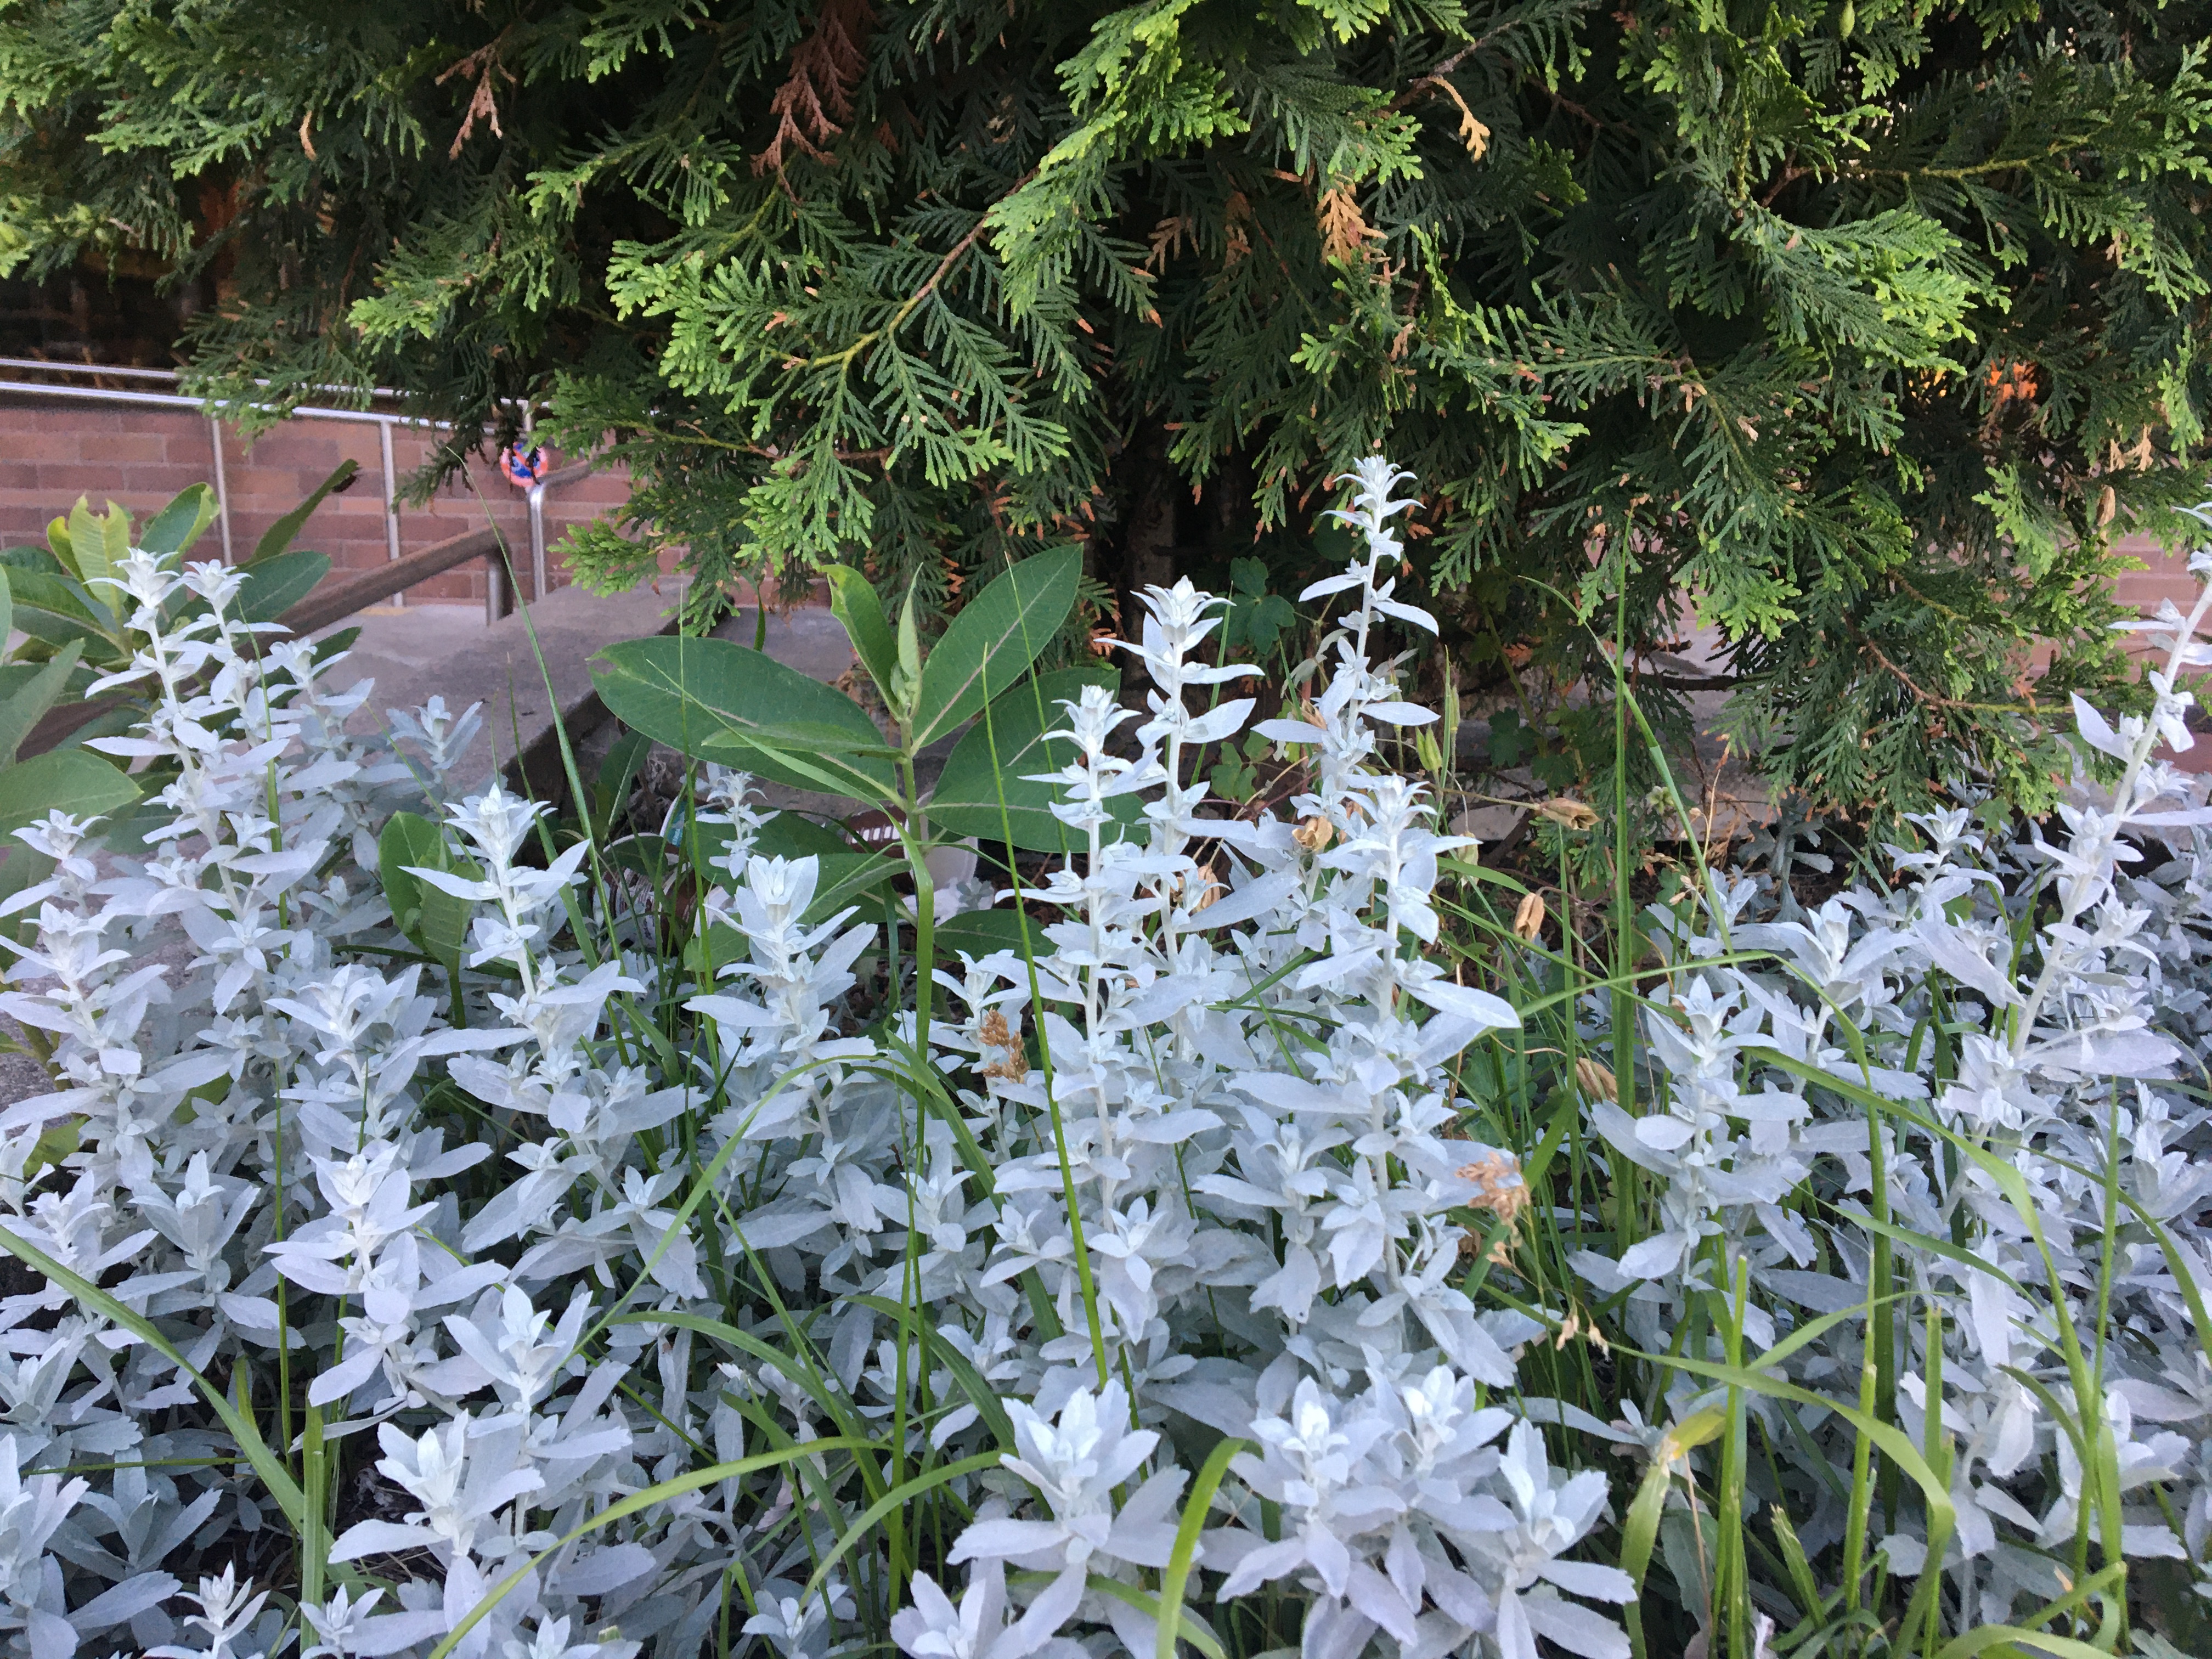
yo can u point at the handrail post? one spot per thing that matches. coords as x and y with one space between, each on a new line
390 506
537 575
222 489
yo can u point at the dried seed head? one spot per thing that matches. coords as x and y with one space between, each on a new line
1212 893
1498 1186
1597 1081
993 1032
1529 918
1205 883
1568 814
1314 833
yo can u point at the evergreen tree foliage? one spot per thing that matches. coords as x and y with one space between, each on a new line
1861 327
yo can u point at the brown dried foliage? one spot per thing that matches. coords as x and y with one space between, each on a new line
483 65
1345 232
817 94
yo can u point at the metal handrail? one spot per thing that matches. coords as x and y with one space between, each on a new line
178 400
121 371
495 604
125 372
333 600
570 474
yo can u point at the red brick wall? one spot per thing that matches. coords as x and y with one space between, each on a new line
52 453
2165 576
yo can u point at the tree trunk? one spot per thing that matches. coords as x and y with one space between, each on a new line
1151 492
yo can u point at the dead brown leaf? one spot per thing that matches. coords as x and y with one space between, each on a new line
816 97
1345 232
484 65
1472 132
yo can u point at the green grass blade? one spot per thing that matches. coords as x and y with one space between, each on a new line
1640 1531
659 1492
266 1462
980 1394
1177 1571
890 1502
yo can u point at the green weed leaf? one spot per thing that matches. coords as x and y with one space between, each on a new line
991 641
749 710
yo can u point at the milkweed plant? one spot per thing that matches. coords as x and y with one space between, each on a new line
1264 1249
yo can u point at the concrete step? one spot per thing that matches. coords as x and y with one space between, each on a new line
448 651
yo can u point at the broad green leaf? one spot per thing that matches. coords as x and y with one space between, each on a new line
15 676
115 527
38 559
620 768
408 840
86 543
21 707
795 836
434 919
980 933
749 710
845 878
331 644
910 645
611 789
806 757
20 867
993 639
100 542
786 835
72 781
984 790
137 823
57 610
280 534
56 1141
275 582
855 604
113 721
713 946
7 610
179 524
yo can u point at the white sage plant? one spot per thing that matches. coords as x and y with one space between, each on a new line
660 1287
